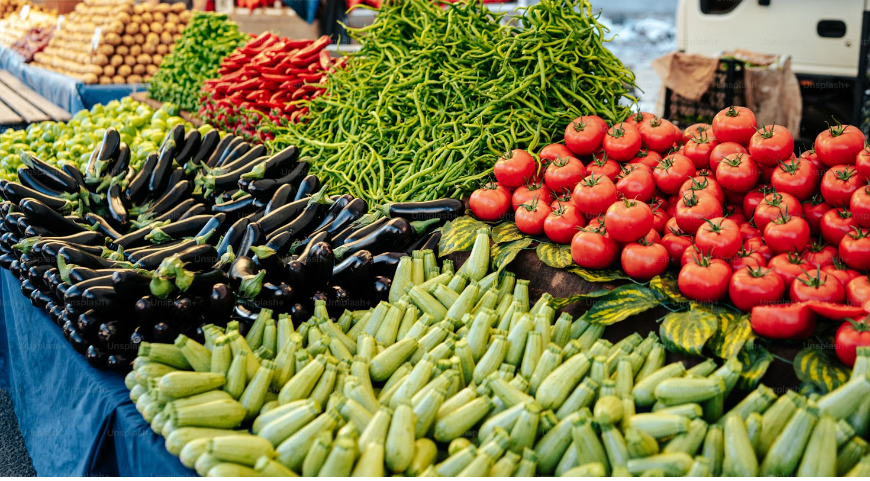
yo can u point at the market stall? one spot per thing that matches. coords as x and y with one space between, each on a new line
435 258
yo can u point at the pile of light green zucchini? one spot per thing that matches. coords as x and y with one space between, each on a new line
459 376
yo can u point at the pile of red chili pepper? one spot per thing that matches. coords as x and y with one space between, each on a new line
264 80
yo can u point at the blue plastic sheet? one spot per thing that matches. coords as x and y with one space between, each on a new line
68 93
306 9
76 420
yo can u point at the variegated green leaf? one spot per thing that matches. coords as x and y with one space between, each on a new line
594 275
667 285
734 330
506 232
560 302
687 332
458 235
821 369
503 254
755 360
555 255
620 303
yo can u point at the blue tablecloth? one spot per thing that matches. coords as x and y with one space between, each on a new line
68 93
76 420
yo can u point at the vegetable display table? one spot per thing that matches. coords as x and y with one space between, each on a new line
69 93
75 420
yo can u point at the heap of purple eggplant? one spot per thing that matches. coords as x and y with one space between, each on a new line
209 229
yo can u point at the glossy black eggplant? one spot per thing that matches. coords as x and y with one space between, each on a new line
174 178
109 145
187 310
244 315
41 214
149 309
114 334
253 236
308 186
132 239
74 172
11 222
49 175
176 135
267 258
14 267
385 264
87 238
199 257
281 196
381 288
35 230
78 274
177 212
137 189
105 299
78 343
219 150
88 323
122 362
54 313
236 149
427 242
278 297
73 295
130 283
441 209
191 145
233 236
266 188
353 270
353 233
245 278
119 166
164 332
30 178
318 265
51 249
160 175
104 228
220 303
177 230
212 226
194 210
72 255
39 298
203 281
350 213
303 224
26 288
278 165
280 243
230 179
176 194
208 145
238 208
118 215
282 215
35 273
156 254
51 279
254 153
333 211
391 236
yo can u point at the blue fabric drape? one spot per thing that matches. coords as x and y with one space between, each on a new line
306 9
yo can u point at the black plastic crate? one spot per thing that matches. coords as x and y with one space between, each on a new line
726 89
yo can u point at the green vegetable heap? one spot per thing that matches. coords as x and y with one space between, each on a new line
438 91
141 127
195 58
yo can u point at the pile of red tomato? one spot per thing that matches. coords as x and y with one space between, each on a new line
729 204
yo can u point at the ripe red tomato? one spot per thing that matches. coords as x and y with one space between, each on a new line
622 142
858 291
638 117
841 271
859 204
737 173
787 233
757 245
745 258
530 217
851 335
862 163
531 192
735 213
648 158
755 286
769 145
700 184
590 249
652 237
636 182
660 218
817 286
628 220
796 177
754 197
855 249
562 223
583 135
748 231
695 130
604 166
490 202
705 279
814 209
643 261
515 168
818 166
734 124
820 254
675 243
725 149
672 171
699 148
839 145
788 265
835 224
565 198
839 183
594 194
656 134
563 174
719 237
554 151
692 209
773 206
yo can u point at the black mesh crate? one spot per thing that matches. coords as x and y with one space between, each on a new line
726 89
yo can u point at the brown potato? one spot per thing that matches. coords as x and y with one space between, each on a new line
132 28
128 40
170 27
162 49
159 17
105 80
125 70
138 69
89 78
157 27
166 38
117 79
136 18
100 59
151 69
144 29
106 49
157 59
139 38
108 71
129 60
178 7
112 39
184 17
148 48
146 79
175 38
143 59
171 17
135 50
116 60
137 9
122 50
147 17
152 39
134 79
163 8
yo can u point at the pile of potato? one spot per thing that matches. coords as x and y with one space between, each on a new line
133 41
8 7
12 28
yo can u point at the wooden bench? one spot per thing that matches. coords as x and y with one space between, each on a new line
19 104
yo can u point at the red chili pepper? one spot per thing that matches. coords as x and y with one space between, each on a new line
314 67
340 63
278 96
316 94
315 47
257 44
250 84
223 87
257 95
298 94
233 76
325 59
296 71
297 44
311 77
304 62
785 321
281 78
